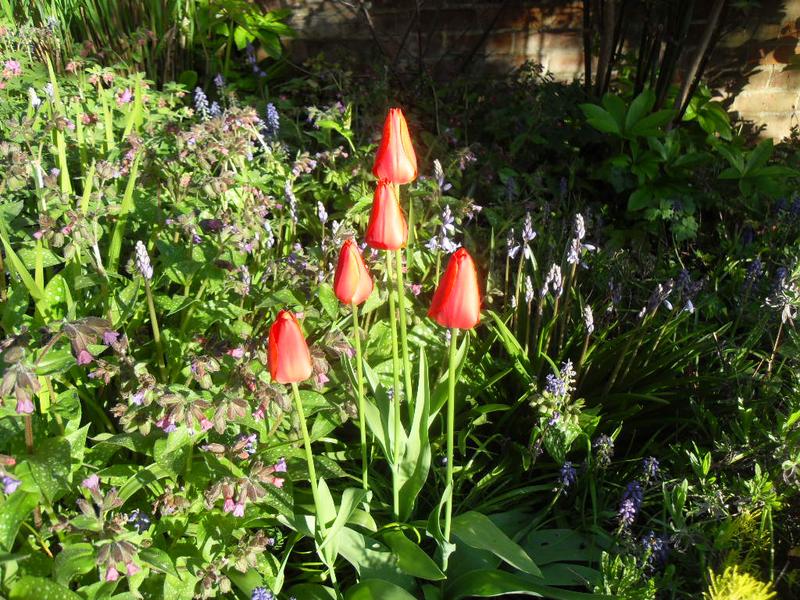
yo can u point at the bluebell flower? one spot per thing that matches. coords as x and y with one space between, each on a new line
438 176
588 319
568 475
529 293
322 214
143 261
511 244
291 199
219 81
563 188
215 109
554 385
201 102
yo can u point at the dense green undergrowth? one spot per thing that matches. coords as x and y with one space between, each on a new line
626 413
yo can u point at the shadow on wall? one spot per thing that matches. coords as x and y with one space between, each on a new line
755 65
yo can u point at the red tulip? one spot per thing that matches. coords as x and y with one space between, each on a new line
352 282
289 358
395 160
457 301
387 229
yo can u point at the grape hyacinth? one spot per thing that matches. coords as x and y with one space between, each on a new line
272 124
143 261
261 593
656 550
754 272
201 103
604 446
568 475
650 467
250 57
528 233
631 503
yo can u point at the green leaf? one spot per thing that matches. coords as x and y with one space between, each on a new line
411 558
39 588
311 591
50 467
13 511
616 108
651 124
600 119
640 107
416 460
76 559
375 589
158 559
556 545
328 300
759 156
350 500
478 531
491 583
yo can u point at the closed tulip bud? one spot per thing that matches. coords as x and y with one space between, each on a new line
289 358
395 160
352 282
387 229
457 301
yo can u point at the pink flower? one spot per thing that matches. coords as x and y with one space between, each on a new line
112 574
110 337
92 483
416 288
84 358
205 424
24 405
166 424
258 414
132 568
238 510
322 379
236 352
228 506
11 69
38 234
278 483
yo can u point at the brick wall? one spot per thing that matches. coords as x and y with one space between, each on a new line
753 65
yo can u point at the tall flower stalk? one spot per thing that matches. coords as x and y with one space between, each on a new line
353 285
146 269
456 305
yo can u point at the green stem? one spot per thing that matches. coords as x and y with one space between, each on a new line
401 297
451 418
156 331
312 473
396 399
361 416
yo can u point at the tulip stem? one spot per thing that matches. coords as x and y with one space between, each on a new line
401 301
451 418
312 473
361 416
396 399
